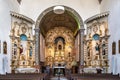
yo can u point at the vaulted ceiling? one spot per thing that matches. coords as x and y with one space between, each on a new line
51 20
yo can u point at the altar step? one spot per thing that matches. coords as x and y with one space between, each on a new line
38 76
58 78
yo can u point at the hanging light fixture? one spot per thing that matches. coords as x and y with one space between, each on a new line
99 1
59 9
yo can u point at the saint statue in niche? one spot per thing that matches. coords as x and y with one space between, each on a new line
97 48
69 54
88 50
103 49
59 47
30 51
21 49
22 57
95 28
15 48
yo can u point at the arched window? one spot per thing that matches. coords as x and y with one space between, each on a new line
113 48
96 37
23 37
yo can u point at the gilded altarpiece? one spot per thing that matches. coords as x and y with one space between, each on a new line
96 44
59 47
22 42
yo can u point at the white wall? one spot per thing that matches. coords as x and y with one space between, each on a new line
5 23
114 26
86 8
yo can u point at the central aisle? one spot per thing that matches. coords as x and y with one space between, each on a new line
58 78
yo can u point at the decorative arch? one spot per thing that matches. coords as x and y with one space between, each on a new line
63 32
79 31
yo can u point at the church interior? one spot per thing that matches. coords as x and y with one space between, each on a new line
59 40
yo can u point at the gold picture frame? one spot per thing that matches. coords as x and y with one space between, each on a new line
5 47
113 48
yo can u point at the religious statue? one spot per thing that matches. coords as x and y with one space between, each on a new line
12 32
22 57
97 48
69 54
103 49
60 47
15 48
88 50
30 51
21 49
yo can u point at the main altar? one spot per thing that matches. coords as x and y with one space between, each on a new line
59 47
59 71
59 50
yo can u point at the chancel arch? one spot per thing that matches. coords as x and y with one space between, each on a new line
67 25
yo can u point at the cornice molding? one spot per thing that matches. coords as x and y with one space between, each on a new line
20 16
101 15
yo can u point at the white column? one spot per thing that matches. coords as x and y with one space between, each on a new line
37 46
81 55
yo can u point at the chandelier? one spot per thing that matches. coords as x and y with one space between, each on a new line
59 9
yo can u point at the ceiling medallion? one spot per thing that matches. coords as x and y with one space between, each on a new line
59 9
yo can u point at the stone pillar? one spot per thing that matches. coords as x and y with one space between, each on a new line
81 49
37 48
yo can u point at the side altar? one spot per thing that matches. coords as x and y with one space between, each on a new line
22 44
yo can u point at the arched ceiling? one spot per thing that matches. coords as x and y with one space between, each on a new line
51 20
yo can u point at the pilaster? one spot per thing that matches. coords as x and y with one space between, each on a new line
81 50
37 46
